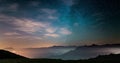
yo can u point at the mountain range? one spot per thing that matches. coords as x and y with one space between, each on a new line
70 52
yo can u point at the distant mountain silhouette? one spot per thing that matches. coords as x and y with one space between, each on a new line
63 47
48 52
9 55
86 52
105 45
71 52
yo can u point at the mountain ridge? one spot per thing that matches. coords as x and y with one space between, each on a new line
4 54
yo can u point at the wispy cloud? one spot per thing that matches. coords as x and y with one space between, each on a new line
11 33
48 11
52 35
65 31
51 29
15 36
29 37
28 26
52 17
76 24
31 26
5 18
24 24
49 14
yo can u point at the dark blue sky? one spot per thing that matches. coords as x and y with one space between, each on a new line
43 23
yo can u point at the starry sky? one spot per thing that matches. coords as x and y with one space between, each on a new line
44 23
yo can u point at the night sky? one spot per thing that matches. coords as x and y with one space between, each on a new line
44 23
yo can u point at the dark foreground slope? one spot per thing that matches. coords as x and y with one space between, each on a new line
100 59
8 55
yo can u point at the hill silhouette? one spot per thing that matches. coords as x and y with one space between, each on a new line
92 51
9 55
107 57
112 58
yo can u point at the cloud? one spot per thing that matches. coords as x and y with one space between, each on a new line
65 31
5 18
33 27
52 35
48 14
16 36
28 25
24 24
30 37
52 17
48 11
51 29
11 33
76 24
56 32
